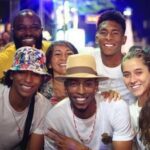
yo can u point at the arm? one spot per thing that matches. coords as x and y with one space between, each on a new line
65 143
36 142
6 58
121 122
122 145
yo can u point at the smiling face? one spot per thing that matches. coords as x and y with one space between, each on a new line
59 58
27 31
25 83
136 76
81 93
110 38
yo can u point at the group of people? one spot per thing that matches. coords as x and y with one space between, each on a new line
51 97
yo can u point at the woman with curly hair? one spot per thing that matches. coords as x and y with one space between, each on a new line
136 74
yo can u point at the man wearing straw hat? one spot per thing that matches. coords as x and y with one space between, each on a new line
19 100
86 120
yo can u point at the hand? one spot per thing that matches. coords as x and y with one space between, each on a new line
111 95
65 143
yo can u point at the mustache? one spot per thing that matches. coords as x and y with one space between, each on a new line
18 41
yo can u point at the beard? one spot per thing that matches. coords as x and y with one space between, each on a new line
18 42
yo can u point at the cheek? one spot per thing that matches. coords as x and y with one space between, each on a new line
54 61
126 81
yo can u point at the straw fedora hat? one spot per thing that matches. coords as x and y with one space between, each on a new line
81 66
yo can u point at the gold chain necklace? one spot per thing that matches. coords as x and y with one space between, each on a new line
88 140
19 131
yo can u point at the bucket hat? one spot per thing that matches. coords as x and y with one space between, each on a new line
81 66
30 59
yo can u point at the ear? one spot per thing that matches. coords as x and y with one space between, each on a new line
96 38
124 39
11 76
49 66
97 83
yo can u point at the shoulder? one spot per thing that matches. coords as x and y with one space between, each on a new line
3 88
112 105
65 103
10 46
60 108
4 91
114 108
45 45
42 102
135 109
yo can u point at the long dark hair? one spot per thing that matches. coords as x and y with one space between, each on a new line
144 124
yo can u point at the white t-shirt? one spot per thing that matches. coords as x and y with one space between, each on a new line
135 112
8 125
112 118
115 81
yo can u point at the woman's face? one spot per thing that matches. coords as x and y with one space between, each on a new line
59 58
136 76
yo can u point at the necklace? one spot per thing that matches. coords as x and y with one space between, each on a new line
19 131
88 140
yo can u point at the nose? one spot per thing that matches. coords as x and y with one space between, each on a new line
64 57
28 31
132 78
28 77
108 36
81 89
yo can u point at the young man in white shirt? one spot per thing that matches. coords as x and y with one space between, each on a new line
110 37
85 120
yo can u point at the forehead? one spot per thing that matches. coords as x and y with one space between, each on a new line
134 63
110 24
62 47
81 79
27 19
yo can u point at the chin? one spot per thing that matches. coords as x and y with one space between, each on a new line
81 108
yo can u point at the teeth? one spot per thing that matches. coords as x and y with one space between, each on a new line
81 99
26 87
63 65
135 86
28 40
108 45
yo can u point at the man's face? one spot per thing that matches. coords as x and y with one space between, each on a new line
110 38
27 31
25 83
81 93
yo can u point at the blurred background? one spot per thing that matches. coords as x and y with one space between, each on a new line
75 20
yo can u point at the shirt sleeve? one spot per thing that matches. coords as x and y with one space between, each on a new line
50 122
121 122
42 106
